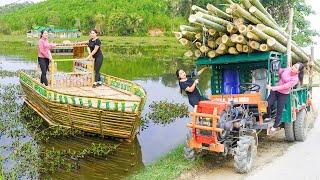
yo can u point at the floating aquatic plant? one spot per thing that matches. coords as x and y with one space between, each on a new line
32 160
164 112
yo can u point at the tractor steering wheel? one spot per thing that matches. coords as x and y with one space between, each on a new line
250 87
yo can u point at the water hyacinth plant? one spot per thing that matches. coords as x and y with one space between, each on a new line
164 112
26 135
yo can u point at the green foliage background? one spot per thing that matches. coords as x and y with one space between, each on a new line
135 17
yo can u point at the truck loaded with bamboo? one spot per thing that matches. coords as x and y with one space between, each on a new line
242 28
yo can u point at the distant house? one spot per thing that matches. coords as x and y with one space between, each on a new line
54 32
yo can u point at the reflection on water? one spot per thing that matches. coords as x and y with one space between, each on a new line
126 159
160 83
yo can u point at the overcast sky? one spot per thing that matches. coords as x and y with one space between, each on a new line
314 19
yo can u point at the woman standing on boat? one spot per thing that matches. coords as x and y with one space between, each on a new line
44 55
96 53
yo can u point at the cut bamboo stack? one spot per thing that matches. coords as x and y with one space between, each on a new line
242 28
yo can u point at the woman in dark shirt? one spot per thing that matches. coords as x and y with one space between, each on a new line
189 86
95 48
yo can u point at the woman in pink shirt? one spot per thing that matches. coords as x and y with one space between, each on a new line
44 55
289 77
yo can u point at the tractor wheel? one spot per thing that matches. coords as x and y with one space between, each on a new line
189 153
289 132
300 126
244 154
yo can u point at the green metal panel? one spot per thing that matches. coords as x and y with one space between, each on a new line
216 79
296 99
286 114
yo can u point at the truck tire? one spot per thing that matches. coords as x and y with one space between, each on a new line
189 153
244 154
289 132
300 126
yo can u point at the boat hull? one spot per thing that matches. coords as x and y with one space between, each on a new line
115 121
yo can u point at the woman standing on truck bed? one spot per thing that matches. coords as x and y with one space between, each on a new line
289 77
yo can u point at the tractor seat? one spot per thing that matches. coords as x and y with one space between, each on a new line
231 82
260 77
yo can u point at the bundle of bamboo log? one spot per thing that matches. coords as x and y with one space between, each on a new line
243 28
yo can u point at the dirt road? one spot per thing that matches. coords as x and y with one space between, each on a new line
276 159
301 161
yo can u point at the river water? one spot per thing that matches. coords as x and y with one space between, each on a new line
153 71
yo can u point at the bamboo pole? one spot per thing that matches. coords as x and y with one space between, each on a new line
213 18
238 21
204 49
214 10
243 29
188 54
188 35
229 11
226 40
196 19
241 39
234 38
239 10
275 45
185 42
257 4
311 67
264 47
289 53
246 4
212 43
190 28
212 32
233 50
178 35
254 45
197 53
252 36
222 47
257 32
221 34
219 52
198 44
219 40
246 49
199 9
283 40
231 28
257 13
212 54
199 37
239 47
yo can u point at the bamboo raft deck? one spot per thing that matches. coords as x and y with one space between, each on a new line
112 109
103 92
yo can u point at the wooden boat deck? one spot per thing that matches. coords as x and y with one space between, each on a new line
98 92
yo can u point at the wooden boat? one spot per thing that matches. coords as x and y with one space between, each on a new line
69 100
